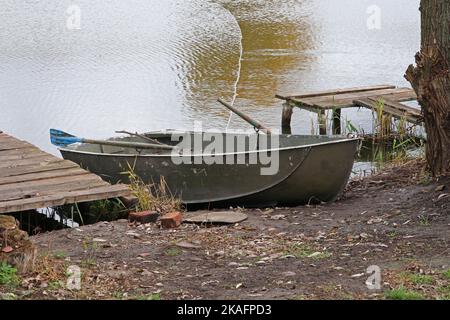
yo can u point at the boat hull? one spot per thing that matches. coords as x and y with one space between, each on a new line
306 174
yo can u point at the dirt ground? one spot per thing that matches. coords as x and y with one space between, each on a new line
397 220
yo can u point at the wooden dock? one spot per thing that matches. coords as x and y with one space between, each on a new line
387 96
31 179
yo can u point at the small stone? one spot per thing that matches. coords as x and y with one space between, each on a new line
196 259
288 256
289 274
440 188
133 234
321 235
220 253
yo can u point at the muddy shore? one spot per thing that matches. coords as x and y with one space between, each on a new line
397 220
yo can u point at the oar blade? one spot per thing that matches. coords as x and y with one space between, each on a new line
62 139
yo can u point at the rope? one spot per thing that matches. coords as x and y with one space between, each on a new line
241 54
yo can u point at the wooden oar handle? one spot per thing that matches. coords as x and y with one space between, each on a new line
255 123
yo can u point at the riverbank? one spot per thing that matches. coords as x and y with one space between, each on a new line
398 220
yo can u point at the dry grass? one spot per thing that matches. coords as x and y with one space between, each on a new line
50 269
382 121
154 197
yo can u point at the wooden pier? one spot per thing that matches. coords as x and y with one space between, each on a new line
31 179
387 96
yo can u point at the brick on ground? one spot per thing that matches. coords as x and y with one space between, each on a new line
144 217
171 220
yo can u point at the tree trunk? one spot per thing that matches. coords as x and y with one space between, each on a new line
431 81
15 247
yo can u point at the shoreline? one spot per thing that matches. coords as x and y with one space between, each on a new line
307 252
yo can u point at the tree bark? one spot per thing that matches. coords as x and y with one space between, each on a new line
22 252
430 78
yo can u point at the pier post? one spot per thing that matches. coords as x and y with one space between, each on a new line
337 122
286 118
322 117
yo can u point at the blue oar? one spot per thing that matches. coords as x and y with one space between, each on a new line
63 139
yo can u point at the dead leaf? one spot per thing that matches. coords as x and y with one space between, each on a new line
358 275
375 221
7 249
145 254
187 245
315 254
278 217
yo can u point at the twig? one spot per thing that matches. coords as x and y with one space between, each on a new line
141 136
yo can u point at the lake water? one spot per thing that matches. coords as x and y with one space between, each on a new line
151 64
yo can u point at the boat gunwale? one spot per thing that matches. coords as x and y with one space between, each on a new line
343 140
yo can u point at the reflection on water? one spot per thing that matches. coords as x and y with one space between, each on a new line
147 64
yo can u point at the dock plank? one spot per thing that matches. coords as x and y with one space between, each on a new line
395 109
321 101
48 182
85 184
13 146
42 159
35 168
12 152
346 100
335 92
398 106
31 178
19 156
43 175
62 198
